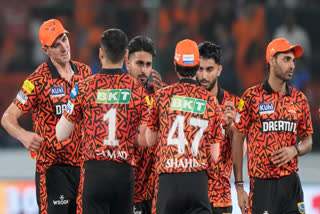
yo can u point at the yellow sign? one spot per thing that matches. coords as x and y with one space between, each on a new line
28 86
240 105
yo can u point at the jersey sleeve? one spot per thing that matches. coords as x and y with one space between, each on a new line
243 119
73 111
27 98
216 125
153 121
305 123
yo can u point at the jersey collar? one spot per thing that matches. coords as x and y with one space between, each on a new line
220 94
54 71
187 80
269 90
112 71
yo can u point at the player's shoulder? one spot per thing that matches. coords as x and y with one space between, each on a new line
295 93
253 91
228 96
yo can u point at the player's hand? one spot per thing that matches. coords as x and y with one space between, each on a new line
243 200
283 155
31 141
229 113
157 80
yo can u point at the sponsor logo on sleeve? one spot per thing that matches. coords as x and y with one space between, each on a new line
266 108
69 108
57 91
28 86
240 105
74 92
238 116
22 97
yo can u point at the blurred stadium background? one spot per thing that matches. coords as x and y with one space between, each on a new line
242 27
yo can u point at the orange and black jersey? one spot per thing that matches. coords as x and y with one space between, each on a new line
189 120
112 106
220 171
145 162
46 93
272 122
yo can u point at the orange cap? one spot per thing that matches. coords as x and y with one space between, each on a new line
49 31
282 45
187 53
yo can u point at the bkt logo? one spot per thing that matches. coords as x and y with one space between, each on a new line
62 201
60 109
266 108
188 104
110 96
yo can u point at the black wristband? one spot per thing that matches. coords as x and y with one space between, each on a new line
297 148
238 182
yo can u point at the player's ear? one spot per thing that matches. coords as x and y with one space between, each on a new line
100 53
219 70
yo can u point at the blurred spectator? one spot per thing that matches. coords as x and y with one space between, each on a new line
249 31
301 76
294 33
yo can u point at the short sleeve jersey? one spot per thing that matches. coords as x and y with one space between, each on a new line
219 174
270 123
188 120
45 93
112 106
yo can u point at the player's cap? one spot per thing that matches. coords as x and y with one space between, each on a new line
282 45
49 31
187 53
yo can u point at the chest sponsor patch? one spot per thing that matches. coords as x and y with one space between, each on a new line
266 108
22 97
69 108
57 91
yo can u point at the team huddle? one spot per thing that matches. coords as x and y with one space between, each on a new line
123 142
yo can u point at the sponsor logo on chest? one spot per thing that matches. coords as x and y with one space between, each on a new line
266 108
57 91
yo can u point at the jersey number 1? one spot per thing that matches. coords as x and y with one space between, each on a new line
111 116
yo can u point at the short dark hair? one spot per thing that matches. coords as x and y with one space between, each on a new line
186 71
210 50
141 43
114 43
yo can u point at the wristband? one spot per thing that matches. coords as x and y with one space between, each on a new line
298 149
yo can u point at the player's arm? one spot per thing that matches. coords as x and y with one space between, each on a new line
286 154
64 128
237 159
9 121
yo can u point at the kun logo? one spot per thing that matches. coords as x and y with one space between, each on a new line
188 104
266 108
62 201
111 96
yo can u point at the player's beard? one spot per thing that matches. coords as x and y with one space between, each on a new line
210 86
283 75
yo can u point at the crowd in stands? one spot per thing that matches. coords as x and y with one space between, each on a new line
242 28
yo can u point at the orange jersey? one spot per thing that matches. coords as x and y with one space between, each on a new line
145 163
112 106
46 93
219 174
188 120
270 123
